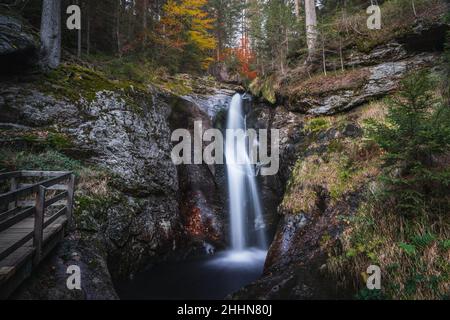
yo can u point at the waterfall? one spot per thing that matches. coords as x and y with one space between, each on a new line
245 203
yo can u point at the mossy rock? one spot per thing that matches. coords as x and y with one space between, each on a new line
265 88
74 82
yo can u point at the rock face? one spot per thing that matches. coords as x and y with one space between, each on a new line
133 144
314 206
289 124
142 208
18 49
131 141
96 281
377 81
202 202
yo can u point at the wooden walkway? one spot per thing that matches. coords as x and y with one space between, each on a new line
33 216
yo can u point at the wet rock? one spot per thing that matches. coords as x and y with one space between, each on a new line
202 206
352 130
290 127
134 145
221 73
18 48
49 281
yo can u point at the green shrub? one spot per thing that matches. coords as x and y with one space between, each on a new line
415 133
318 124
47 161
58 141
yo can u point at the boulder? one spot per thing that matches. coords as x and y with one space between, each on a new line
18 47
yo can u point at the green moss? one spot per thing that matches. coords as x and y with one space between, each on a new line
59 141
73 82
318 124
336 146
30 137
264 87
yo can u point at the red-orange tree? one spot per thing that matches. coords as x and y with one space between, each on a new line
245 58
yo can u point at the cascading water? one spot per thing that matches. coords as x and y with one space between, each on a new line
216 276
245 202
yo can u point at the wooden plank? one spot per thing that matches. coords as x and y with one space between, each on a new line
14 243
16 218
10 264
25 203
13 195
39 224
17 267
9 175
12 258
13 187
15 278
53 218
9 213
57 187
25 239
56 198
42 174
70 197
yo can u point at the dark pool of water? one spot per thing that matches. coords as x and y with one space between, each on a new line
208 278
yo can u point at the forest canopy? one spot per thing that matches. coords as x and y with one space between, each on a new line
245 37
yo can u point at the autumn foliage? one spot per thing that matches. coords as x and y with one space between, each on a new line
240 60
246 58
187 23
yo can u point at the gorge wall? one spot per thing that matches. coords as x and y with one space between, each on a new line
328 168
134 207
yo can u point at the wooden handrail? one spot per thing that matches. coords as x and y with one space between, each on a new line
56 198
16 214
17 218
29 230
9 175
30 174
15 194
42 174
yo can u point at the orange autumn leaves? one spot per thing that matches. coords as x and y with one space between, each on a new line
187 26
246 57
187 23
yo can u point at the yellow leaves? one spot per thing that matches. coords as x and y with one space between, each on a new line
207 62
202 40
189 19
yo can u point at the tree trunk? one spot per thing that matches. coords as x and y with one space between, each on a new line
144 18
414 8
297 9
51 33
119 47
311 28
88 28
79 37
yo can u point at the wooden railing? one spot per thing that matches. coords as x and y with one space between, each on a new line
32 200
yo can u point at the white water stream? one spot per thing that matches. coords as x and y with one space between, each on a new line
246 214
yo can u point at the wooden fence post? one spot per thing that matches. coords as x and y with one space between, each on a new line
13 185
70 198
39 224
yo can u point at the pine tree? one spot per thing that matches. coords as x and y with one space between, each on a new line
413 136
